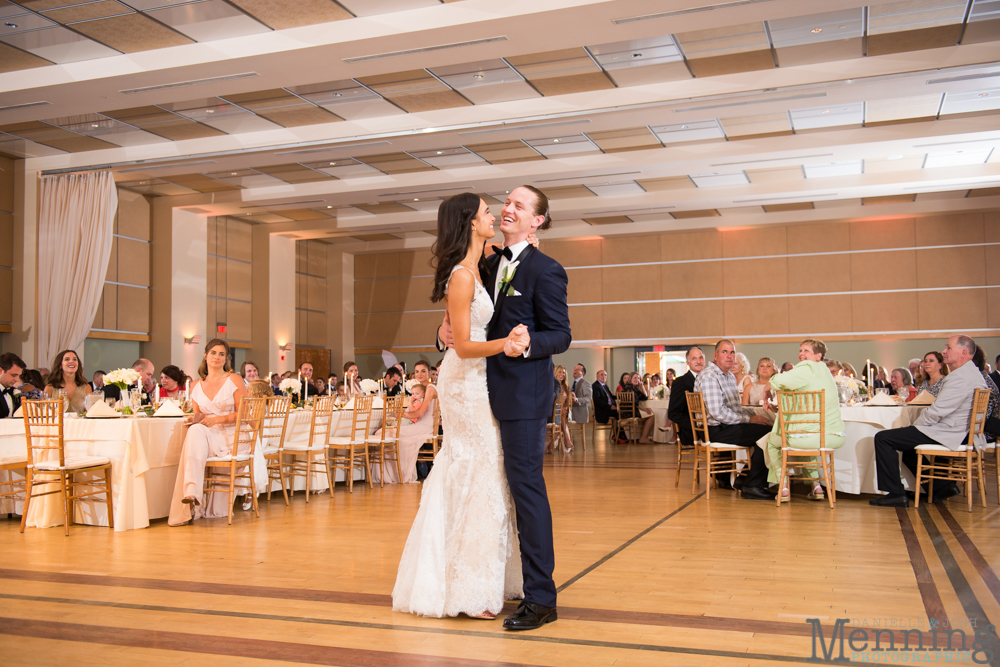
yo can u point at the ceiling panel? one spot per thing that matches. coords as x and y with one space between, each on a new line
776 175
888 199
575 144
131 33
706 213
697 130
246 178
12 59
502 152
281 14
727 50
55 137
343 168
562 72
913 107
716 180
24 21
396 163
107 129
156 186
954 158
283 108
415 91
424 205
984 22
911 25
817 38
639 62
294 173
663 184
222 115
23 148
201 183
827 169
163 123
384 207
209 20
87 11
376 7
58 44
486 82
347 99
975 101
568 192
607 220
894 163
748 126
829 116
629 139
303 214
448 157
781 208
612 189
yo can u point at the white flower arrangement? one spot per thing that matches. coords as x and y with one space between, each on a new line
290 386
658 391
369 386
408 385
122 377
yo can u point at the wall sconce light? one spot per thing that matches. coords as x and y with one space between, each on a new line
284 348
193 340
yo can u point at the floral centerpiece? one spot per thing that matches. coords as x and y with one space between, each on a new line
123 378
369 386
849 388
290 386
659 391
408 385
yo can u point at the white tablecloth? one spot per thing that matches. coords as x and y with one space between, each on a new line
144 453
659 407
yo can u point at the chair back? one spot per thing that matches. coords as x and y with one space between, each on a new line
276 420
555 410
434 440
797 411
43 430
249 422
699 418
361 419
392 417
322 421
626 405
977 420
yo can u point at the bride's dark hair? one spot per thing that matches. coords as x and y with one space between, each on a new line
455 217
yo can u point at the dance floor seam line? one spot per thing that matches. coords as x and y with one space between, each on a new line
572 580
987 574
110 635
933 605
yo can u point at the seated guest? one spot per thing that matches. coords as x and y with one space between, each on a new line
306 375
583 395
996 371
249 372
914 367
757 392
68 377
787 366
731 423
835 367
351 378
276 384
172 381
97 383
992 427
677 409
883 375
876 383
145 369
393 381
258 389
604 401
332 380
741 371
810 374
669 378
341 390
933 372
416 427
944 422
643 414
900 380
320 387
624 381
849 369
422 374
434 374
11 368
211 431
33 386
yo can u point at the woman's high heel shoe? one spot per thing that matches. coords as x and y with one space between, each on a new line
191 500
816 493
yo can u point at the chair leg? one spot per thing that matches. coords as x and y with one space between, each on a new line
67 503
968 477
108 500
368 468
309 462
677 477
782 477
381 465
326 466
982 485
349 471
694 473
826 478
253 490
232 489
27 498
281 478
920 473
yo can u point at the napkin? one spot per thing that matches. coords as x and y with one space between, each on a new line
883 399
169 409
101 409
923 398
17 413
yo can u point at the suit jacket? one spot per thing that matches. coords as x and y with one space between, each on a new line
6 412
947 419
521 387
677 408
581 404
604 402
995 376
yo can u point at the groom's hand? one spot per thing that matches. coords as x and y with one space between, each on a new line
517 341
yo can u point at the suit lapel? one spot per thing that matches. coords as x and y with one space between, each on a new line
521 259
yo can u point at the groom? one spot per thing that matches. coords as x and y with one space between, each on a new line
528 288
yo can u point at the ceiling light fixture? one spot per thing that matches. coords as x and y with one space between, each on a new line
11 25
440 152
826 111
477 76
555 141
984 94
329 207
232 173
94 125
816 30
637 55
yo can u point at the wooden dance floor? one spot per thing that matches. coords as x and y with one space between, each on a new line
648 574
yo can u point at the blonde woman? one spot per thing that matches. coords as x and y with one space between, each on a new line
564 398
757 393
741 369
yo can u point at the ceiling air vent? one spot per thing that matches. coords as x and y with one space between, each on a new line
425 49
193 82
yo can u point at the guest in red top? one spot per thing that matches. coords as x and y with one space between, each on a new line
171 382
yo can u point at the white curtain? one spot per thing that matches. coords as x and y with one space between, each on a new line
75 223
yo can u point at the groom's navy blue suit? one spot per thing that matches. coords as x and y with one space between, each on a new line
521 396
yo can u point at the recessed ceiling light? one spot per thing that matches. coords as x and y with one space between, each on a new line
440 152
816 30
232 173
555 141
477 76
684 127
332 163
416 200
209 110
841 27
984 94
826 111
94 125
337 95
329 207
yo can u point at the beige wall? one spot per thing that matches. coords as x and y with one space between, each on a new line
6 243
230 279
311 324
840 280
125 303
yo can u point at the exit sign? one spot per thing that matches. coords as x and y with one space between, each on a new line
221 328
656 348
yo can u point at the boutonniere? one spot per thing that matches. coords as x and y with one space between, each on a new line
506 276
16 392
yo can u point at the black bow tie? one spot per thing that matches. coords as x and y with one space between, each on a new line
7 390
497 250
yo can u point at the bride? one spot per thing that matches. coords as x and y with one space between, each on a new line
462 553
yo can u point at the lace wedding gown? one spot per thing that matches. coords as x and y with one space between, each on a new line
462 554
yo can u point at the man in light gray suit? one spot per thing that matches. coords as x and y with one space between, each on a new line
583 395
945 422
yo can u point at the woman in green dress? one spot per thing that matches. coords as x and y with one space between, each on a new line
810 374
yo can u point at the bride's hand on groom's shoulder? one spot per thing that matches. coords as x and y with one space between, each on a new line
532 239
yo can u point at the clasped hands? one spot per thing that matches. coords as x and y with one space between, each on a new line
517 341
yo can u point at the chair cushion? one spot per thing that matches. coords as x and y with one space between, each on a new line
377 441
343 440
806 451
74 463
941 448
223 459
719 445
13 461
302 447
270 451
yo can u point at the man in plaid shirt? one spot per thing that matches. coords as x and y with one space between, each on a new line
732 424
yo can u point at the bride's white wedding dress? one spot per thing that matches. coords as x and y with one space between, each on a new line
462 554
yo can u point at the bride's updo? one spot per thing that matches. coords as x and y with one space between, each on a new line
454 233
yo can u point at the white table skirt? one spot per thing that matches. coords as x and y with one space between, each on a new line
659 407
144 454
855 461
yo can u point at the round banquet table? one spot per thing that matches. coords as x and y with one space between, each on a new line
661 433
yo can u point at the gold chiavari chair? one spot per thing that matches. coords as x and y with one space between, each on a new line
552 428
435 439
348 452
222 472
705 450
47 465
991 467
797 412
632 422
580 428
611 426
685 454
958 466
11 465
272 438
386 447
313 451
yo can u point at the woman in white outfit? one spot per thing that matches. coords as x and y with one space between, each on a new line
462 554
211 430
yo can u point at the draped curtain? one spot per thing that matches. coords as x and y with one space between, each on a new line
75 224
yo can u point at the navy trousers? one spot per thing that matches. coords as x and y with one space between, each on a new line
523 453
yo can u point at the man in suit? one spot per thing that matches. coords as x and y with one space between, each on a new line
393 381
528 288
306 371
604 400
677 408
582 395
11 367
145 369
945 422
996 371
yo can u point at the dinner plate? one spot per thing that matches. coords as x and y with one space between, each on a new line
102 417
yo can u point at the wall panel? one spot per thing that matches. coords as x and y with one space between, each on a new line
230 278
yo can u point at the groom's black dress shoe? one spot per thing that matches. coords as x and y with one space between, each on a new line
529 616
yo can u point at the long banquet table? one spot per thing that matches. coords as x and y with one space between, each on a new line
144 453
